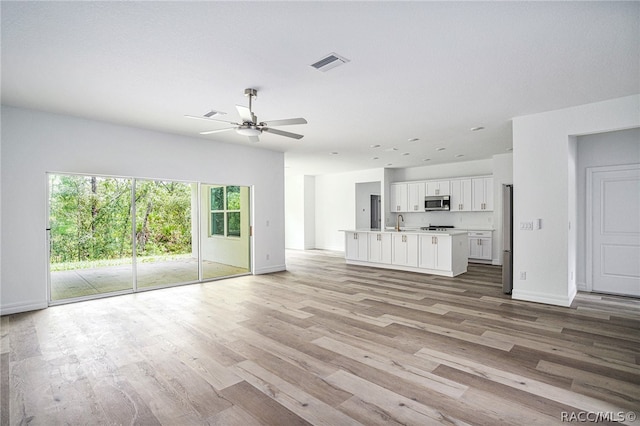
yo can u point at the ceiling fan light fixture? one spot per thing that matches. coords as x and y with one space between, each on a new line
248 131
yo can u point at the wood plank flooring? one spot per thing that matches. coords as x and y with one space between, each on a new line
325 344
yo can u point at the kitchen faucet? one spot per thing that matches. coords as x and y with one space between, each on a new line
398 222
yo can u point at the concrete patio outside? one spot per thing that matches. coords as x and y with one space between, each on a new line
93 281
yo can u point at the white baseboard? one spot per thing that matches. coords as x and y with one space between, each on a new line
549 299
582 286
270 269
16 308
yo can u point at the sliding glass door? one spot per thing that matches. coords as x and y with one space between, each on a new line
165 253
225 230
121 235
90 240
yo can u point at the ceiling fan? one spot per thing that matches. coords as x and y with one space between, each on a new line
250 126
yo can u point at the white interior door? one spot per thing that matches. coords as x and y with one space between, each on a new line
615 229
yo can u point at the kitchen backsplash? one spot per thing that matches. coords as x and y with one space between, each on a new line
464 220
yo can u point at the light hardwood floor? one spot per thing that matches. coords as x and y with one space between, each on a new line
323 343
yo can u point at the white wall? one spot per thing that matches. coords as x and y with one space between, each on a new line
541 167
336 205
294 212
34 143
601 149
448 170
300 227
309 212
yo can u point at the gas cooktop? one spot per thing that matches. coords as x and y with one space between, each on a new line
437 227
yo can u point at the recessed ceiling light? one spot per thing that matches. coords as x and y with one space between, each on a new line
406 153
440 149
509 149
459 155
333 153
375 146
391 149
475 129
414 139
389 164
375 158
426 159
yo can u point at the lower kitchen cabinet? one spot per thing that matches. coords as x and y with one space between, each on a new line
438 254
380 247
356 246
480 245
435 252
405 249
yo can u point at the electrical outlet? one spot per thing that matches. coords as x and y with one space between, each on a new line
523 276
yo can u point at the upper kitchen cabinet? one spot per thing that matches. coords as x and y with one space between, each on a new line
482 194
437 187
399 197
416 193
461 195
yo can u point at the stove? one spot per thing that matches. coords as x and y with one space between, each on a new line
437 227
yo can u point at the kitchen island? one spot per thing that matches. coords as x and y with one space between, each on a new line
427 252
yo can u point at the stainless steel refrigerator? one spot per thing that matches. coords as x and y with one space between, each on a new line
507 238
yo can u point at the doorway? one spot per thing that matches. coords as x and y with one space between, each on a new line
613 229
376 212
111 235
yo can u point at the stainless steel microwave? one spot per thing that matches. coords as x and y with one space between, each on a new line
437 203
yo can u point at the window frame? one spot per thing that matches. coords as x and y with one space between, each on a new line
225 211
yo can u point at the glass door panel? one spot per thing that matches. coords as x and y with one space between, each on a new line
225 230
165 253
90 236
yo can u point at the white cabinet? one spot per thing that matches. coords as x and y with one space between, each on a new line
356 246
461 195
415 196
437 187
435 252
405 249
480 245
399 197
380 247
482 194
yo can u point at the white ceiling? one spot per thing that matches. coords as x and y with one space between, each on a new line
427 70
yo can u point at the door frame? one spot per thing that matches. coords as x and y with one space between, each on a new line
591 171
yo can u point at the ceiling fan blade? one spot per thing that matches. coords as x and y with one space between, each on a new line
253 139
210 132
245 114
281 133
286 122
196 117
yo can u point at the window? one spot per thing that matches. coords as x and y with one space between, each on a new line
225 211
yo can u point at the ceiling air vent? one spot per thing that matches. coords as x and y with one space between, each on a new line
332 60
